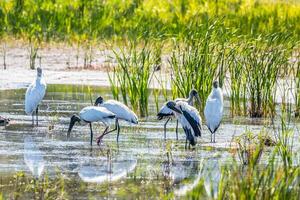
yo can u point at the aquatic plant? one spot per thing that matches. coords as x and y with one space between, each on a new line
297 87
238 81
263 62
134 74
196 63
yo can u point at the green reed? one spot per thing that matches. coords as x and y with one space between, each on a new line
297 86
263 63
196 63
134 73
238 90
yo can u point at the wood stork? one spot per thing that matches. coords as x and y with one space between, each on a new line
214 110
4 121
92 114
166 113
34 95
189 118
121 111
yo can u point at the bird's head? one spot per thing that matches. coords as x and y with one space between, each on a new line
216 84
74 119
39 71
98 101
172 106
194 93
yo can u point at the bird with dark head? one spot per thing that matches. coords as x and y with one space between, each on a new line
74 119
216 84
98 101
167 113
213 110
193 94
189 118
172 106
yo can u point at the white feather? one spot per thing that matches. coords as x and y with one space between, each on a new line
34 95
214 109
95 114
120 110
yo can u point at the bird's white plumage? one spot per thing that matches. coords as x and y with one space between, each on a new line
35 94
95 114
214 109
120 110
183 106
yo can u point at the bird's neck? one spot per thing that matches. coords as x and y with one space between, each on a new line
190 100
217 93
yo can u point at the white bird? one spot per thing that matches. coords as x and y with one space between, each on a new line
34 95
214 109
92 114
189 118
121 111
165 112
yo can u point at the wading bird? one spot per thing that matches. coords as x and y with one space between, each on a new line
121 111
92 114
189 118
166 113
34 95
214 110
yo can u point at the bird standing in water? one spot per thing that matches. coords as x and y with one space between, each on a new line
34 95
121 111
167 113
213 110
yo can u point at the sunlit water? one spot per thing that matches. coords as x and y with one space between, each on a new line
141 159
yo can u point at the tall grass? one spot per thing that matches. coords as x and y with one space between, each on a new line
263 63
238 81
133 75
196 63
297 85
64 20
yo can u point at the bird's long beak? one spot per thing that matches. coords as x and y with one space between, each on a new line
72 122
198 99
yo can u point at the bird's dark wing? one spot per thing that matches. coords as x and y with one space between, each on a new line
189 136
161 116
194 124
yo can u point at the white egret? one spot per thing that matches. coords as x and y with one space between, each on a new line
166 113
34 95
92 114
121 111
214 110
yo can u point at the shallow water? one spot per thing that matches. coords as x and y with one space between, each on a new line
141 164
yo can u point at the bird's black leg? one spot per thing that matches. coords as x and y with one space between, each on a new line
186 143
32 118
91 134
214 137
118 129
177 129
37 115
165 128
